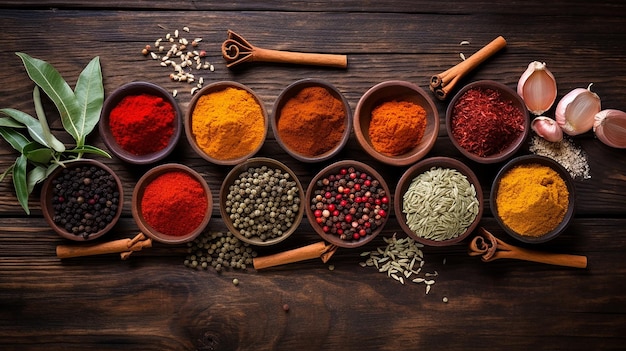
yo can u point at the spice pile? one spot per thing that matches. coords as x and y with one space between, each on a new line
566 153
397 127
219 250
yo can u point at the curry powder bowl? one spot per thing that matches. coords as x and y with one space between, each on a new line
143 137
396 90
311 120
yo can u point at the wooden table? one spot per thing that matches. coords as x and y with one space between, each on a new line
152 302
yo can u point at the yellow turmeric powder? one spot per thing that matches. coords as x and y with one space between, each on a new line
532 199
228 124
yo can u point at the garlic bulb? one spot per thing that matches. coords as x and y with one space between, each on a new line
576 110
537 87
547 128
610 128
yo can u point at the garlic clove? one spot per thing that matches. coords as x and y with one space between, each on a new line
547 128
576 110
610 127
537 87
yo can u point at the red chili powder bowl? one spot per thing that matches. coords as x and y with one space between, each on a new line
487 121
172 204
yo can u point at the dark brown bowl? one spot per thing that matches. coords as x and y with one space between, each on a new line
212 88
291 91
138 193
507 94
136 88
335 169
421 167
47 193
563 173
230 179
402 91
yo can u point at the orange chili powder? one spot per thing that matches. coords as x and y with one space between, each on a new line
397 126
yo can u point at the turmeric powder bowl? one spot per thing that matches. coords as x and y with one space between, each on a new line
396 122
533 198
311 120
226 123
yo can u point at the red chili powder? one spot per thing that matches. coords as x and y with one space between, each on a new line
484 123
142 124
174 203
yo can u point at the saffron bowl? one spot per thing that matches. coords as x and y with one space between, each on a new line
501 99
571 198
138 212
100 203
221 132
322 135
396 90
416 170
348 188
262 217
134 144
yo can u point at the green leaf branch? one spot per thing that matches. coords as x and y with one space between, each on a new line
40 151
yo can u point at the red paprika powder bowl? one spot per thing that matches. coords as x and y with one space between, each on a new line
140 123
348 203
311 120
172 203
94 187
487 121
396 122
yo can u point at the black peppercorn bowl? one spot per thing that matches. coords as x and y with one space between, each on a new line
405 182
506 95
399 91
83 200
133 89
348 203
245 201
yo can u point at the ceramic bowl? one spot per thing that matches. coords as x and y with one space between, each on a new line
291 91
562 172
421 167
506 94
233 176
138 194
113 100
402 91
214 88
317 184
49 199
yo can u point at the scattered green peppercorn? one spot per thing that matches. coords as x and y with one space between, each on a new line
219 251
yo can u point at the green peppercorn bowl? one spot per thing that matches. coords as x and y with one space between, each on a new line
140 156
346 198
96 196
419 168
245 201
507 95
138 195
399 91
332 147
569 183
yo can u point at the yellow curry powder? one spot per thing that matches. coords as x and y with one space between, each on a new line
228 124
532 199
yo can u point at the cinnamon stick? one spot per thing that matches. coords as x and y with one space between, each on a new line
123 246
308 252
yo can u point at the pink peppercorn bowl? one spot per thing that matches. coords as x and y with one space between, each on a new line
421 167
337 168
400 91
507 94
131 89
291 91
138 193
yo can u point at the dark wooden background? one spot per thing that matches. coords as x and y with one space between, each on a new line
152 302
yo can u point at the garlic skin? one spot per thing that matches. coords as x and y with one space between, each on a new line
547 128
610 127
576 110
537 87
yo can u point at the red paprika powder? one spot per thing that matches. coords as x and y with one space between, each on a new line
174 203
142 124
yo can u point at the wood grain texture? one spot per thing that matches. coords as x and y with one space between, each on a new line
152 302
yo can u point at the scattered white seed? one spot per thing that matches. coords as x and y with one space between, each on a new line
186 29
168 36
174 93
235 282
464 42
211 68
176 33
445 299
462 56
